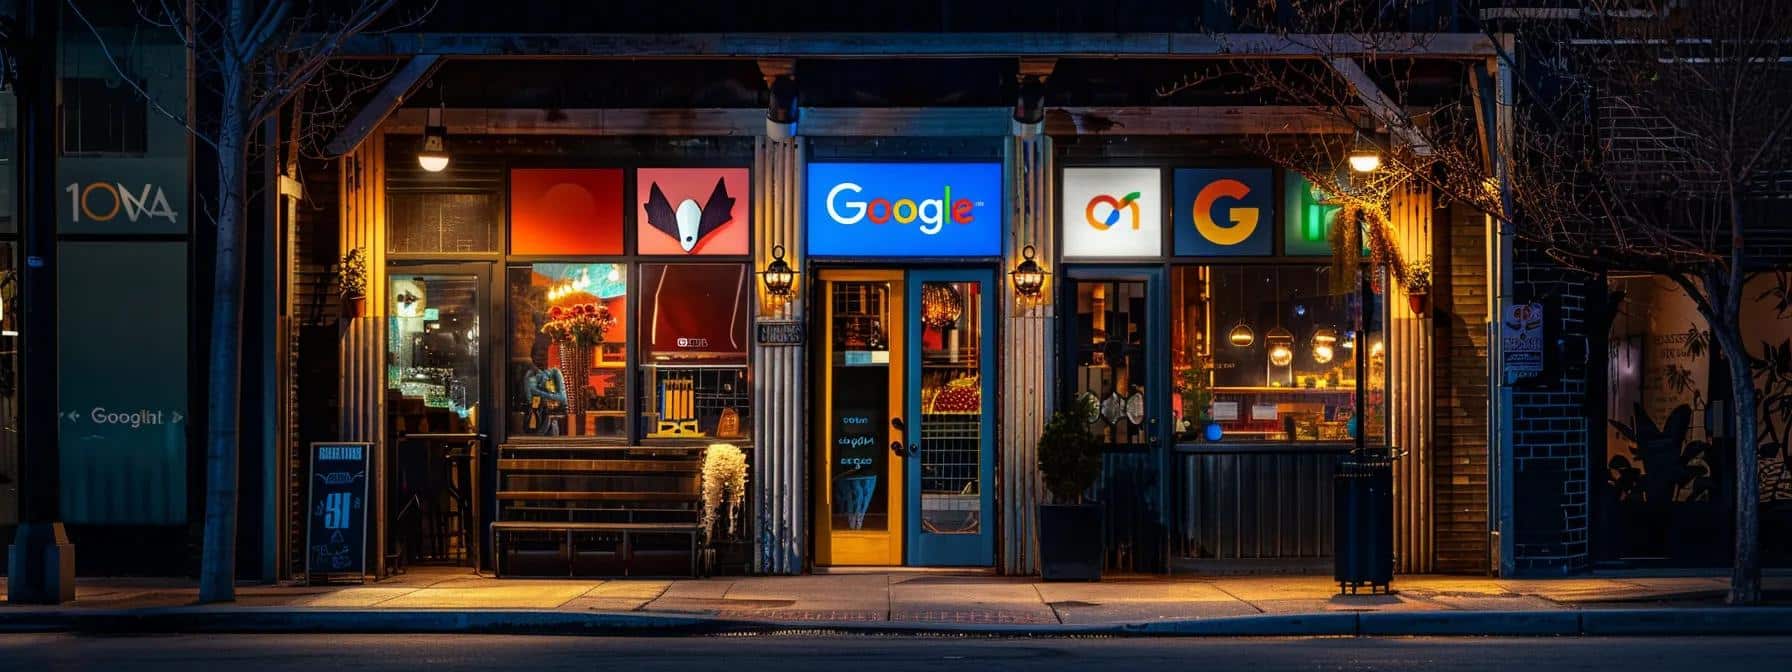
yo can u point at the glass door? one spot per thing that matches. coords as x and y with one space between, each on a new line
1115 359
435 408
949 451
859 472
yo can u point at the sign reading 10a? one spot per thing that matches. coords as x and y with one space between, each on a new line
104 202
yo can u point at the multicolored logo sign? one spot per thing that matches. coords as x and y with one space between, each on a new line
1112 212
905 209
1224 212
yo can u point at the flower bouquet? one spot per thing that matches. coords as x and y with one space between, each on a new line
578 329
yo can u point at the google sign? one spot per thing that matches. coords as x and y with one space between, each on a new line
905 209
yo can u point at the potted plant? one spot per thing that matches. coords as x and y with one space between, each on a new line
724 499
1418 286
1195 385
351 282
1070 536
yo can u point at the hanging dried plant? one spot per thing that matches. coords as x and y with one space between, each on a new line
724 485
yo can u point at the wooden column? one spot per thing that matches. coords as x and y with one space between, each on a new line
1410 390
1026 354
780 384
362 186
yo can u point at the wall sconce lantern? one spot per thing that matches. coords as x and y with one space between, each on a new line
778 276
434 156
1028 277
1365 157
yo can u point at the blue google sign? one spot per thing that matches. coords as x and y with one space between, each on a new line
905 209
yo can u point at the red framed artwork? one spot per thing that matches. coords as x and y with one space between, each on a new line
694 211
566 211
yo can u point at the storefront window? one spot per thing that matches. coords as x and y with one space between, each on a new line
423 223
1270 353
568 350
432 364
693 339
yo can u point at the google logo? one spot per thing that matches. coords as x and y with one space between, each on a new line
1243 220
931 212
1129 203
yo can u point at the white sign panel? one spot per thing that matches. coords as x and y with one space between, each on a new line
1112 212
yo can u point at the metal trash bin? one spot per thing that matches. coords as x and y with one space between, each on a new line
1363 511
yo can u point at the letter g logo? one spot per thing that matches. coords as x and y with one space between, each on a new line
1243 221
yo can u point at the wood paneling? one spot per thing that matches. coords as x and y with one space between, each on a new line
1410 391
1463 394
1026 360
779 384
363 207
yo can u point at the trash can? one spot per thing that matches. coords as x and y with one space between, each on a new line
1363 511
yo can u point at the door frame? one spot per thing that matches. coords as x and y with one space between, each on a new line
492 310
954 550
1157 377
823 534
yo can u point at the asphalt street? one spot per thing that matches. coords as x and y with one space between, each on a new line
795 653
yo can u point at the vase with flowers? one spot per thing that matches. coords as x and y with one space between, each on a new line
577 329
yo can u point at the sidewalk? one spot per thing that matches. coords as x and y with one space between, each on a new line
929 599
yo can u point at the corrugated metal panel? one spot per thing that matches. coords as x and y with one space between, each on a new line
779 384
1026 356
362 188
1251 505
1409 391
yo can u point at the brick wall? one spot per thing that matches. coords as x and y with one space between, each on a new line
1459 431
1550 432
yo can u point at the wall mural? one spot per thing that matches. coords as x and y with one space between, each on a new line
1764 326
1667 475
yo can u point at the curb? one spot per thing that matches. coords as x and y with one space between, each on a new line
275 620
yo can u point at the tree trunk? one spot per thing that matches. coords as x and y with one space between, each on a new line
217 573
1745 574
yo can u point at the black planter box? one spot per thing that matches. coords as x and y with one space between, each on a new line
1070 542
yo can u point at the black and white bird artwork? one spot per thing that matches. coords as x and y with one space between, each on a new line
690 223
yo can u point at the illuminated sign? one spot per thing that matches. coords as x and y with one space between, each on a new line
1112 212
1224 212
905 209
1310 217
104 202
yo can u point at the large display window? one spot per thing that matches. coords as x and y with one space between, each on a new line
1274 353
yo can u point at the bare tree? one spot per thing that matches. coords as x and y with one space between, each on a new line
252 58
1703 89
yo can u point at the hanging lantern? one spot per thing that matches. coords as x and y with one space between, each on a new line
1241 336
941 306
1281 346
1324 344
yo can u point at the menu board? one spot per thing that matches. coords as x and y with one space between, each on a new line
336 506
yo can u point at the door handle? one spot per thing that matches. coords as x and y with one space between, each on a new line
896 447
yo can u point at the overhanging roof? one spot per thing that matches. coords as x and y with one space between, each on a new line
917 45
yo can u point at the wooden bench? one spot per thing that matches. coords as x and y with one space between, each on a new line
584 510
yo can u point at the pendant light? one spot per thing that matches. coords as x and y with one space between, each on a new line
1324 345
434 156
1242 335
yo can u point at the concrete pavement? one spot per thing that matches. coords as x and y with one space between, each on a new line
1286 604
